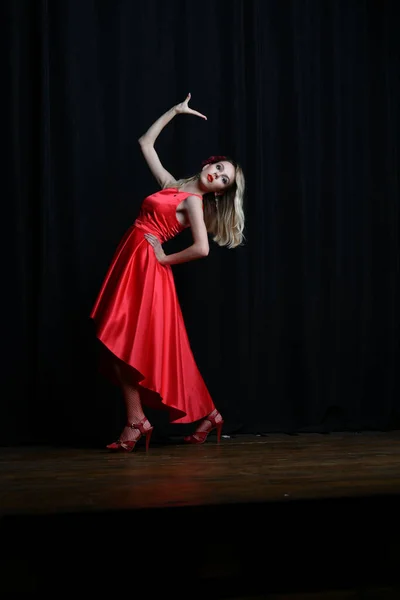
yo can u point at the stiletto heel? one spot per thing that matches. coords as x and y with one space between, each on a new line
128 445
199 437
219 431
148 436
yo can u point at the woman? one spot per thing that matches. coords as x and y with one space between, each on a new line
137 314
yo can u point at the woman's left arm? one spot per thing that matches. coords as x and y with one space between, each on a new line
199 248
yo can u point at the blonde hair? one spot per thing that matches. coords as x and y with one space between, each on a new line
224 214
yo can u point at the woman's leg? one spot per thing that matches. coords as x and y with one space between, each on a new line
133 405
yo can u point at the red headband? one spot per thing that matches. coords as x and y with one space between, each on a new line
212 160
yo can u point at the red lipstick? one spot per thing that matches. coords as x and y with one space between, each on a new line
210 178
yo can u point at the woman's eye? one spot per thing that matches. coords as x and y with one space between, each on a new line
225 181
219 167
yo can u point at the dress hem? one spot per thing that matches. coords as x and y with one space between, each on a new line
181 418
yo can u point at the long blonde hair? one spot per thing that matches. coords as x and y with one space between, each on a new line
224 214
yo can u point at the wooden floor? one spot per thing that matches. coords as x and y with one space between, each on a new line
243 469
305 516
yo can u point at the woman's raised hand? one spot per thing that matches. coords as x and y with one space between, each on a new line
183 108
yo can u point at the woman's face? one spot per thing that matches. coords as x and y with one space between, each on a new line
218 177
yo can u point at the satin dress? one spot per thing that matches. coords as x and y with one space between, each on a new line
138 318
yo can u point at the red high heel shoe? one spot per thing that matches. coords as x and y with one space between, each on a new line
128 446
199 437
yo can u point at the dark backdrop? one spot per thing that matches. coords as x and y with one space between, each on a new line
298 330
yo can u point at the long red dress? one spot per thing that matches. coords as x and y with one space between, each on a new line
138 318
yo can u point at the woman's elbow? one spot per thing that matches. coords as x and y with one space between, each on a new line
143 141
204 250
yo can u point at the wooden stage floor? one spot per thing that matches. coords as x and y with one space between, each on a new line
273 517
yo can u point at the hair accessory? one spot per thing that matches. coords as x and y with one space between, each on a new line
212 159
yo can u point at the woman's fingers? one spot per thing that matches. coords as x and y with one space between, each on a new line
198 114
151 238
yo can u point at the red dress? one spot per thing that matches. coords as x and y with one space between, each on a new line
138 317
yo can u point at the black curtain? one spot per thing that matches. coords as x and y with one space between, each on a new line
298 330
